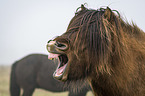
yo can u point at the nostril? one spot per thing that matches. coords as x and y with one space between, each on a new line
59 44
55 45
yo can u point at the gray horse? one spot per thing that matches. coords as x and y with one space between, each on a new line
35 71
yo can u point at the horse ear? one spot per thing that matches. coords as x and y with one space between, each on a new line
108 13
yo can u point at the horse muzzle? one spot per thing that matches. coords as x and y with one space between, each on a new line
56 47
57 50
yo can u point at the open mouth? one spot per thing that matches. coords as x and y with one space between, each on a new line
61 68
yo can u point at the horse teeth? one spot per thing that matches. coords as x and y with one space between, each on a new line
51 58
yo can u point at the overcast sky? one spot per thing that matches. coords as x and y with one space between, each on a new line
27 25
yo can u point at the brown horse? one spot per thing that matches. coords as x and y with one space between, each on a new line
103 49
35 71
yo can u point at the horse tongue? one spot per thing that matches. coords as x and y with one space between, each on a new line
60 70
51 56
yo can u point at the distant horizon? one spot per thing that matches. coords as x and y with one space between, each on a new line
26 26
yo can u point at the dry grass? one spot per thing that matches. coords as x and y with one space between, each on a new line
4 80
4 85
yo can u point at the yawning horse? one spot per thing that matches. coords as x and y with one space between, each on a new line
103 49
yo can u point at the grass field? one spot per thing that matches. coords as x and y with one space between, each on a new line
4 85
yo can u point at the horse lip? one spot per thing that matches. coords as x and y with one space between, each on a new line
62 75
60 72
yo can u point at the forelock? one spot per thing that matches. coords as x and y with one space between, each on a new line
91 31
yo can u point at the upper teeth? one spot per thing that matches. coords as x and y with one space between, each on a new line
51 56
